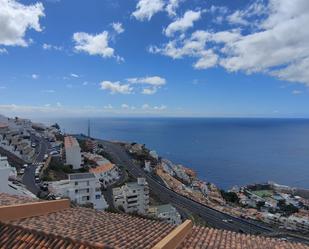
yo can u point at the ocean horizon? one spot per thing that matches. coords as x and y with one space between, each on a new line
224 151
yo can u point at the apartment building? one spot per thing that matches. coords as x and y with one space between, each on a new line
107 173
81 188
166 213
73 153
133 196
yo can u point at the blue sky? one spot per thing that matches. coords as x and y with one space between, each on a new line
154 58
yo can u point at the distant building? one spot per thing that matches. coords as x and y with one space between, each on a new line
167 213
73 152
82 188
147 167
133 196
91 145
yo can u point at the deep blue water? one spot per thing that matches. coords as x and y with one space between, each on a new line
225 151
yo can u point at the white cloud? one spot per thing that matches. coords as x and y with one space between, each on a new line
183 23
266 45
149 91
47 46
125 106
109 106
49 91
93 44
145 9
172 6
35 76
116 87
85 83
147 107
2 87
195 47
3 51
153 80
74 75
296 92
117 26
16 19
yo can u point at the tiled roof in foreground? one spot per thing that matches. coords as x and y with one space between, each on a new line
12 237
115 230
203 237
85 228
8 200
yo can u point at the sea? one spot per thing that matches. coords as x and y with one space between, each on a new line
224 151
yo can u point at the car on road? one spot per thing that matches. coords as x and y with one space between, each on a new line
22 171
44 186
37 180
33 145
25 166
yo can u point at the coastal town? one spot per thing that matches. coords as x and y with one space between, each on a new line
42 162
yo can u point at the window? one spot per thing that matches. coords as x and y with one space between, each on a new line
88 198
76 191
98 197
76 183
88 190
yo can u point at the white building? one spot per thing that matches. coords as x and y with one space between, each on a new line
107 173
133 196
73 152
167 213
82 188
8 173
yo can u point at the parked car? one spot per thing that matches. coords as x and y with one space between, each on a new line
25 166
22 171
37 180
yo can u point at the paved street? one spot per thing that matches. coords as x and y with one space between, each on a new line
28 178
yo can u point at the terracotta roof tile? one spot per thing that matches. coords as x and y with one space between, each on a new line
18 237
115 230
7 200
102 168
203 237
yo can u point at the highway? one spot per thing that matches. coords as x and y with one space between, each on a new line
212 217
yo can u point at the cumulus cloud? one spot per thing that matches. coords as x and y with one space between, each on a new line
153 80
116 87
296 92
15 19
74 75
47 46
93 44
148 85
145 9
35 76
147 107
149 91
117 26
49 91
3 51
266 45
183 23
172 6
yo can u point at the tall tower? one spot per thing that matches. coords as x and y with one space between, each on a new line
88 128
